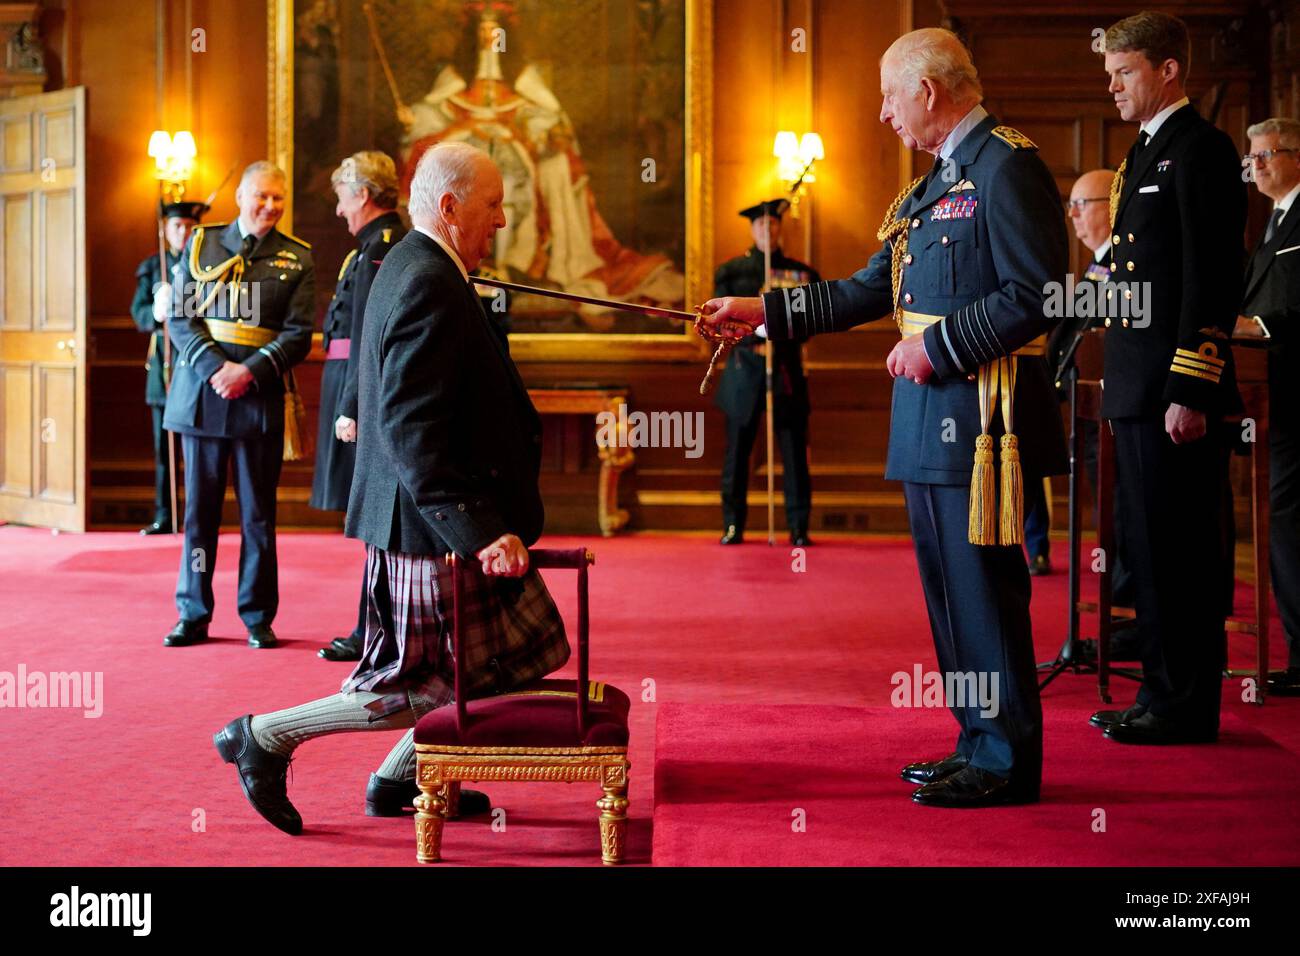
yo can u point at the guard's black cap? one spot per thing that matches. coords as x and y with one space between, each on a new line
771 207
182 210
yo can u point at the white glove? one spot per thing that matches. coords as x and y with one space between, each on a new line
162 303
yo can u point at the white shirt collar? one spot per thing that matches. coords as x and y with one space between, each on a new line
1152 126
967 123
1285 202
447 249
1102 251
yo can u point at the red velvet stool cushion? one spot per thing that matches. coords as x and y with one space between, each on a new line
541 714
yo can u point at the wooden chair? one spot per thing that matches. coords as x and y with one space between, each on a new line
555 731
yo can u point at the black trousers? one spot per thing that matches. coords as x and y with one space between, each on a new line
162 482
1284 530
792 440
256 462
978 602
1172 498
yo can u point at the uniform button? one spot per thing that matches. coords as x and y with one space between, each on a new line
907 259
461 506
1115 239
1114 266
943 241
1124 322
283 276
907 297
440 516
1128 293
1129 266
1108 323
1130 237
916 224
1110 293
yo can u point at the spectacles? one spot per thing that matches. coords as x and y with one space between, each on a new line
1080 203
1264 155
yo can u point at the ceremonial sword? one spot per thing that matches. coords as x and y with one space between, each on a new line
724 345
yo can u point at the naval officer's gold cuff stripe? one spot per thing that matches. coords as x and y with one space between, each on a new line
1195 373
1199 357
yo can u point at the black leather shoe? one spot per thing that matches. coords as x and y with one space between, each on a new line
342 649
1109 718
393 798
732 535
1152 729
158 527
1286 684
186 633
261 635
1040 565
971 787
799 538
928 771
261 774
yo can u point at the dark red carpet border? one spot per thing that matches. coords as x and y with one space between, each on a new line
738 644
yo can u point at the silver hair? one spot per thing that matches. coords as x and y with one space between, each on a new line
446 168
1288 130
936 54
262 166
372 170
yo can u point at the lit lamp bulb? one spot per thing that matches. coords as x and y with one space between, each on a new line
160 147
786 149
810 151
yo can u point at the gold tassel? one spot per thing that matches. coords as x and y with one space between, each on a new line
983 503
1012 527
295 412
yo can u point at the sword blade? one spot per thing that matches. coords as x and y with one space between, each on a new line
587 299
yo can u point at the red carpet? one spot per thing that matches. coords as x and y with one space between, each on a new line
730 630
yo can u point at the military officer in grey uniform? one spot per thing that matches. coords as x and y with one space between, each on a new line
1177 223
742 391
366 187
241 320
969 250
149 310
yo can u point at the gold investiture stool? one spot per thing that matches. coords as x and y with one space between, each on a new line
552 730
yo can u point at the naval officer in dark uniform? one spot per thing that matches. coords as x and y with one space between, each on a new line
969 250
1272 304
742 393
1176 241
241 320
366 187
149 311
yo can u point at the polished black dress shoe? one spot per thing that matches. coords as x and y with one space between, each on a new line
394 798
342 649
158 527
1109 718
261 635
1040 565
732 535
970 788
1286 684
186 633
799 538
261 774
1152 729
928 771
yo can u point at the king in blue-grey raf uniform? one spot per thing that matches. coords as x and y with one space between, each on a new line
968 252
241 320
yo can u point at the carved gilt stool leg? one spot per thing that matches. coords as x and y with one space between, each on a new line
430 815
613 823
451 793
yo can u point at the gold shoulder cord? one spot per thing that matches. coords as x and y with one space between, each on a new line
1116 187
895 231
215 274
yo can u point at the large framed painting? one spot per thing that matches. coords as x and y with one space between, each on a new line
597 112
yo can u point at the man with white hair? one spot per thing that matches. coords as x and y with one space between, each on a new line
969 249
448 457
1272 303
242 319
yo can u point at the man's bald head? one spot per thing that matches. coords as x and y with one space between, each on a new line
1090 207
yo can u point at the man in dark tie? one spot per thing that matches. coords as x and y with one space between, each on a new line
1272 307
1173 295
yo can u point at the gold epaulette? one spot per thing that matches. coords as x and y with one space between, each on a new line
387 235
301 242
347 262
1013 137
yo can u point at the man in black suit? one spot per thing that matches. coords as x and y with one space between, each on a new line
448 457
741 393
1272 303
1173 295
242 319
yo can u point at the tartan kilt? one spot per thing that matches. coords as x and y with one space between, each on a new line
511 630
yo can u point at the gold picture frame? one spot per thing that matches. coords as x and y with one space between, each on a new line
565 346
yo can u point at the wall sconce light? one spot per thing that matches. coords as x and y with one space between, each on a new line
173 158
796 157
